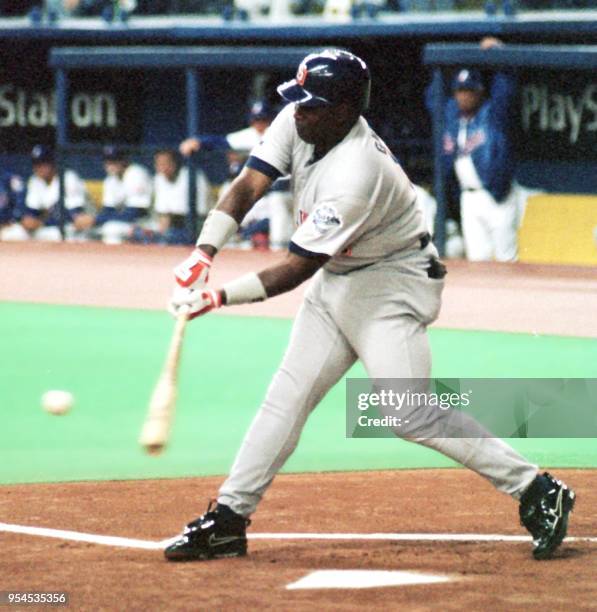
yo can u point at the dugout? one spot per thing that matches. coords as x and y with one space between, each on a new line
555 133
193 61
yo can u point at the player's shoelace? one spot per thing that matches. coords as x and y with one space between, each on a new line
210 518
542 517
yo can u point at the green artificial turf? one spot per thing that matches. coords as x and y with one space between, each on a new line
110 359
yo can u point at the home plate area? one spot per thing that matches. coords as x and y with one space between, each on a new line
387 540
363 579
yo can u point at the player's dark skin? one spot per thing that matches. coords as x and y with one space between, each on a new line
324 127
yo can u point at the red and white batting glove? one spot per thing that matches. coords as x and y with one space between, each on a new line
193 272
194 302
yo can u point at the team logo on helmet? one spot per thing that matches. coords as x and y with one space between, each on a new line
301 74
463 75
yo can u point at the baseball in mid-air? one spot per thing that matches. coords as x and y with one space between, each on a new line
57 401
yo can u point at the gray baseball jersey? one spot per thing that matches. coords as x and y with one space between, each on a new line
355 204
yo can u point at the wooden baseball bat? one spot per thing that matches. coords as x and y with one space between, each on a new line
160 413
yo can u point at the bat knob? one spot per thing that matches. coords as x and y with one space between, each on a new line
154 449
154 435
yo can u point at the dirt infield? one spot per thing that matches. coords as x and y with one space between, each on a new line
484 575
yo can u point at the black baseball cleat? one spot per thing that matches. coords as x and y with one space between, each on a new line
544 510
218 533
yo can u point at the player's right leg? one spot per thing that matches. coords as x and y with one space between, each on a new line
317 357
391 340
474 207
504 219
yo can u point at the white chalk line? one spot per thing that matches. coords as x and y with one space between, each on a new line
117 541
77 536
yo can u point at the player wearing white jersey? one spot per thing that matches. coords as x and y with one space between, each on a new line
126 197
40 218
377 285
242 141
171 199
355 204
171 183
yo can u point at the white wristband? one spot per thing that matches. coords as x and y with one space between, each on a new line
217 229
247 288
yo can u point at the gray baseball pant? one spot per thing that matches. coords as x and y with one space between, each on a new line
378 314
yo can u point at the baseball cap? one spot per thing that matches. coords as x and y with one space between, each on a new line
41 154
467 78
114 153
260 109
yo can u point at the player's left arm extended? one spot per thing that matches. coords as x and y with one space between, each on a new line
248 187
192 275
221 224
289 274
253 287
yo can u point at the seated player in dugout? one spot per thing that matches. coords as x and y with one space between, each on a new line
39 219
126 199
171 197
171 202
377 284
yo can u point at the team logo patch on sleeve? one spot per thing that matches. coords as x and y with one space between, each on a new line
325 218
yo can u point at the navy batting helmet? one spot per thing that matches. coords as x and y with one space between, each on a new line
328 78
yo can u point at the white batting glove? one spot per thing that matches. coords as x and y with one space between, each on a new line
193 272
194 302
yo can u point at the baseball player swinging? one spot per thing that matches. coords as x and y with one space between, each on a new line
376 286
